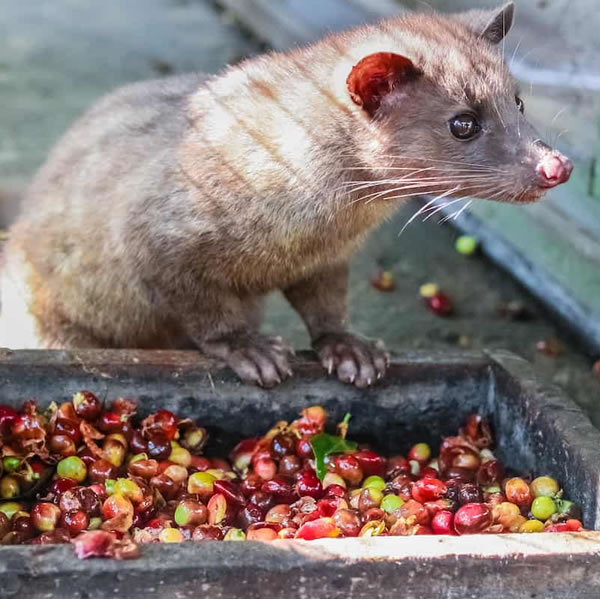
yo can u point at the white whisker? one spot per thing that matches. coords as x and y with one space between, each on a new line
442 207
425 208
454 215
560 112
514 54
405 183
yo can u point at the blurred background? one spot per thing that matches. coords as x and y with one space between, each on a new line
58 57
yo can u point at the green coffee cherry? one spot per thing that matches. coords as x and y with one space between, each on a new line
374 481
466 245
72 467
543 507
390 503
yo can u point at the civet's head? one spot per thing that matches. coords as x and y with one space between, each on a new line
443 111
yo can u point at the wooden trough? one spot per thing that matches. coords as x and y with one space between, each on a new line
425 396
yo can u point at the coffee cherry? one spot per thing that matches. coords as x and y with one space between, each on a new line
249 515
531 526
280 488
472 518
443 523
75 522
372 529
517 491
194 439
204 533
114 451
262 500
303 448
390 503
289 464
490 472
118 510
469 493
466 245
324 527
230 490
129 489
8 415
181 456
265 468
144 468
261 534
87 406
420 452
371 463
428 489
69 428
234 535
278 513
9 487
62 444
10 508
201 483
217 509
166 486
45 516
170 535
61 485
138 443
369 498
29 426
23 526
506 514
111 422
543 508
440 304
347 521
73 468
10 464
307 484
348 467
374 481
100 470
544 486
281 445
165 423
383 281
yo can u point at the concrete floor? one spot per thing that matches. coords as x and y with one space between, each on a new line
56 58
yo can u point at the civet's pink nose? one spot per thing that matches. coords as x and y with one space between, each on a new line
553 169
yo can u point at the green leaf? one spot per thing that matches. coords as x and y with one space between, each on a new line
323 445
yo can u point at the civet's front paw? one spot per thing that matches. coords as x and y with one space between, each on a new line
354 359
257 359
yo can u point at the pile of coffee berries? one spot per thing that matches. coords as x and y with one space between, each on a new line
116 480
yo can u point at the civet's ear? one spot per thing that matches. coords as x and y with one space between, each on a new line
491 25
377 75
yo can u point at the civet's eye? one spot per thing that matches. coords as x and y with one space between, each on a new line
520 104
464 127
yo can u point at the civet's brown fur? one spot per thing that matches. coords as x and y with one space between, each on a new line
170 209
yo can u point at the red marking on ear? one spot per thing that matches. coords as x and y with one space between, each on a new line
377 75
